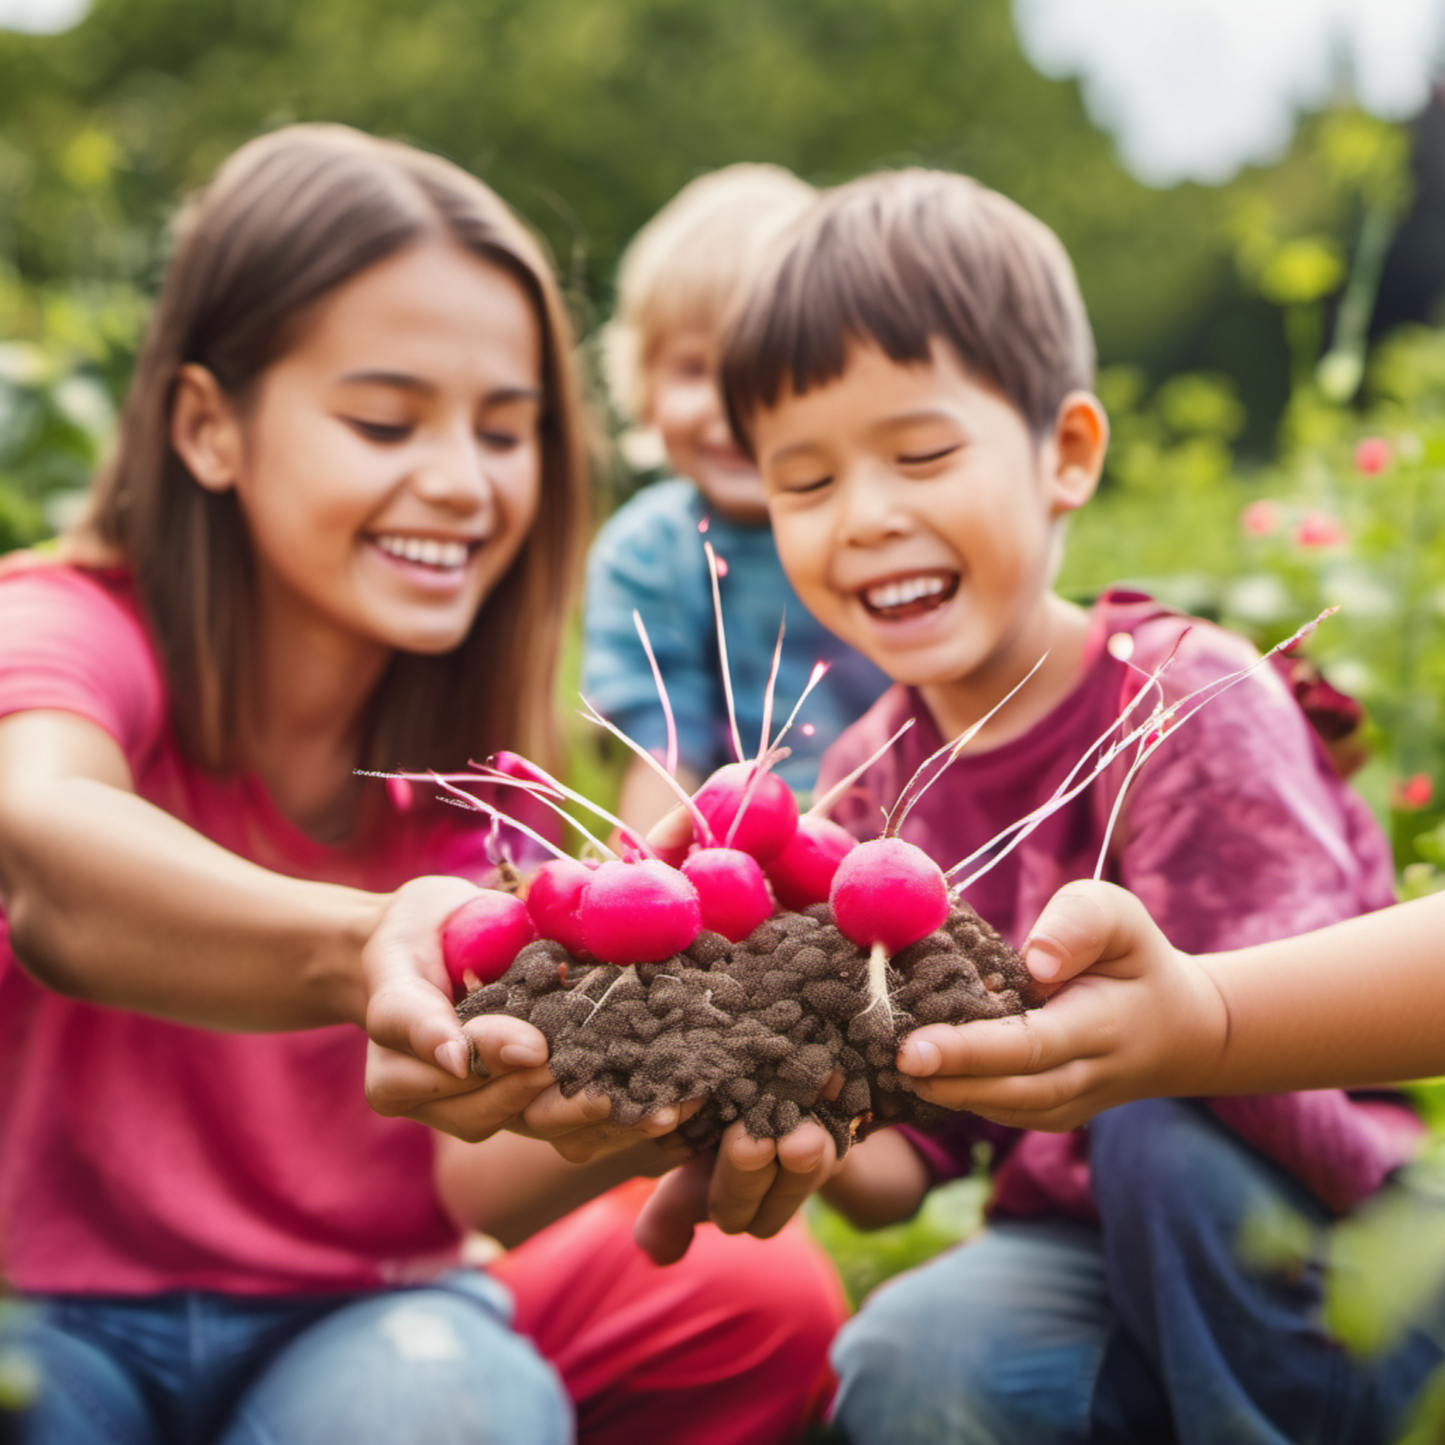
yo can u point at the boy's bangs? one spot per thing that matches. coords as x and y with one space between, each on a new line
821 302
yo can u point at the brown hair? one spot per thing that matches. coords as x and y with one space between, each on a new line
902 259
287 219
684 268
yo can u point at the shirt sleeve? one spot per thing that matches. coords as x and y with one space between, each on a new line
648 559
67 643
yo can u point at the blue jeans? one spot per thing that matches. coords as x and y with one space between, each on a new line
437 1365
1154 1329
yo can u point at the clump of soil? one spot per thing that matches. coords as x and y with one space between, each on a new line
758 1028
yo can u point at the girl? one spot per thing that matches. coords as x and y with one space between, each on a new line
345 505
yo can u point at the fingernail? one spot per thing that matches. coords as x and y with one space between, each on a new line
452 1056
1043 964
522 1056
920 1058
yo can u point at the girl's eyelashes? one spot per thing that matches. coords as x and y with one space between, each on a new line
380 431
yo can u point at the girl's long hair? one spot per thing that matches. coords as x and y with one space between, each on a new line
287 219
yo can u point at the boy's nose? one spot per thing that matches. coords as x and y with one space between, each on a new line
873 509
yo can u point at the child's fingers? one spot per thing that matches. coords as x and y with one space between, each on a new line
471 1111
1056 1101
1082 924
664 1226
744 1172
806 1159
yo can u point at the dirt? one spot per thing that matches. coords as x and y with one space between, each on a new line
758 1028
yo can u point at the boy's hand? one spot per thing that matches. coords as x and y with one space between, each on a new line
1130 1017
748 1185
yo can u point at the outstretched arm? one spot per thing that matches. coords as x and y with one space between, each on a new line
112 900
1358 1003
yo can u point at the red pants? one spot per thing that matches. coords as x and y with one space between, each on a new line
729 1347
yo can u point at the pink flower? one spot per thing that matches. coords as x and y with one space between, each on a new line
1415 792
1260 519
1372 455
1320 529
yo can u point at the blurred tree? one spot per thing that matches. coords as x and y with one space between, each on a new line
589 116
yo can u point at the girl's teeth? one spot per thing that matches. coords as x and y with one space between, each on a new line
900 594
429 551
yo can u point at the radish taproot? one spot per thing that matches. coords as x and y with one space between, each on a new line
638 912
749 808
482 937
732 890
887 894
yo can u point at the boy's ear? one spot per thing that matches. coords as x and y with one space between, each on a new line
205 430
1080 439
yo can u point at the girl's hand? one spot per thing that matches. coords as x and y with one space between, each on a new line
751 1186
423 1063
469 1079
1130 1017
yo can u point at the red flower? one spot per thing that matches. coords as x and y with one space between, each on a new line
1415 792
1320 529
1372 456
1260 519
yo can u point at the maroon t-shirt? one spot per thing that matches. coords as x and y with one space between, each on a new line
1238 830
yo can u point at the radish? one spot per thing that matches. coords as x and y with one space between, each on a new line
749 808
803 872
554 893
887 894
732 890
483 936
638 912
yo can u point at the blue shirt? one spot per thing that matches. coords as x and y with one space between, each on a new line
649 557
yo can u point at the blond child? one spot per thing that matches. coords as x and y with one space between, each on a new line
675 285
912 372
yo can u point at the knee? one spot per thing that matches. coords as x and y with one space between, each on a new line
417 1365
1156 1159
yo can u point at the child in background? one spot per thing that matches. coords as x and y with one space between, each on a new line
676 282
912 374
347 499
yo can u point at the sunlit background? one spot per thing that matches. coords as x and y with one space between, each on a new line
1253 192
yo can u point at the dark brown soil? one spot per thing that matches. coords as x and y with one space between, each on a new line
758 1027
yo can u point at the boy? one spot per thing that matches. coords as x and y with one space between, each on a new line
677 280
911 372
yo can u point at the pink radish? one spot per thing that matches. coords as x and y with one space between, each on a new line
554 893
757 813
638 912
802 873
483 936
887 894
732 890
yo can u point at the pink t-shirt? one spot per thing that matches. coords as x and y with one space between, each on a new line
139 1155
1237 831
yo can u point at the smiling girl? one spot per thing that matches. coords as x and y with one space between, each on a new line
338 534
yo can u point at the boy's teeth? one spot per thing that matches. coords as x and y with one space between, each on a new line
430 551
901 593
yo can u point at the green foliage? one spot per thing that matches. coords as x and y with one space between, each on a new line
949 1215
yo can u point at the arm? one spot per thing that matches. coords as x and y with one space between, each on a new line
111 900
510 1187
881 1181
1358 1003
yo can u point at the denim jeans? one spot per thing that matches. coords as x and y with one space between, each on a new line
1158 1328
438 1365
